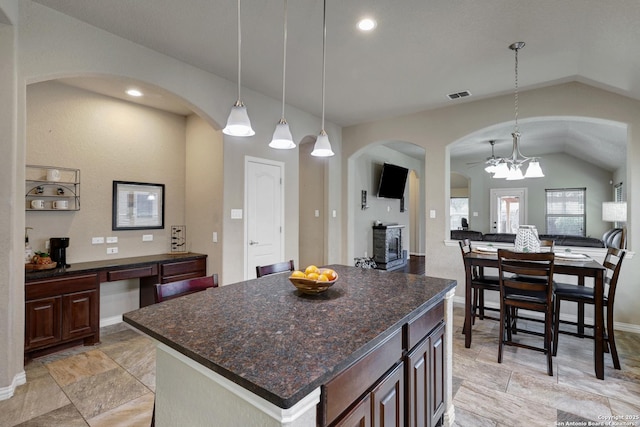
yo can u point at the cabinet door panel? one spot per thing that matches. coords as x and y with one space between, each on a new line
437 374
77 311
360 416
42 318
418 385
388 400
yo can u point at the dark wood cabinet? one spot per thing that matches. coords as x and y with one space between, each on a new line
61 310
398 383
425 381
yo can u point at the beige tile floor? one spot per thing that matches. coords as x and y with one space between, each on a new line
112 384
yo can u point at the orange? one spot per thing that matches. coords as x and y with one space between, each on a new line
323 278
312 276
311 269
331 275
298 273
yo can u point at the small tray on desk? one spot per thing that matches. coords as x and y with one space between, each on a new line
37 267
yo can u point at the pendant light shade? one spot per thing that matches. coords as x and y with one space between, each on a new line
534 170
238 123
322 148
282 138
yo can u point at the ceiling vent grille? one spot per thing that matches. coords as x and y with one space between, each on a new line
459 95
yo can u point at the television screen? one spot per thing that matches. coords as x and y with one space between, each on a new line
392 181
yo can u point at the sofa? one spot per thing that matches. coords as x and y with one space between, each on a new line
611 238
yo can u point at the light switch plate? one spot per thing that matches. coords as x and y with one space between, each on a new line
112 239
236 213
111 251
147 237
97 240
432 213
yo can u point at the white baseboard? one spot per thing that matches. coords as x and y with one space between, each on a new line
618 326
8 391
108 321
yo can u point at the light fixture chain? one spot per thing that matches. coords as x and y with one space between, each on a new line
324 53
516 92
239 51
284 57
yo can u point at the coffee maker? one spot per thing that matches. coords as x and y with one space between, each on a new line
58 247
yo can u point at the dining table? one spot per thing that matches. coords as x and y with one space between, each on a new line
572 264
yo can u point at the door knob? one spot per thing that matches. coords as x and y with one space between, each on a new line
251 242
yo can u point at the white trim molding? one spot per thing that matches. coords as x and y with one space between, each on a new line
8 391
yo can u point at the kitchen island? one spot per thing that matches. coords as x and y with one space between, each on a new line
261 353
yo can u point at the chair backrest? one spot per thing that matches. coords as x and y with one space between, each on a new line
547 245
263 270
526 271
613 263
166 291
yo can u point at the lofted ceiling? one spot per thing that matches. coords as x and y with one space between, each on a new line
420 51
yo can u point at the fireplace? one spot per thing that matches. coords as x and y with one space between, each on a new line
387 246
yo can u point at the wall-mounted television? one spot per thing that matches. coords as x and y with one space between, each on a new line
392 181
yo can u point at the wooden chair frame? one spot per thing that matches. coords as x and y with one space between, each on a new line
264 270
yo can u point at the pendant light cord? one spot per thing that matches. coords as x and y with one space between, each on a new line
284 58
516 129
324 53
239 51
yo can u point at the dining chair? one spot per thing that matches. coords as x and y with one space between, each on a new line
547 245
585 295
263 270
526 283
167 291
479 283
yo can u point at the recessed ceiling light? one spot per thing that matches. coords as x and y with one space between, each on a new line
367 24
134 92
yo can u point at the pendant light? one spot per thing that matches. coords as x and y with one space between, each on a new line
282 138
238 123
322 148
511 167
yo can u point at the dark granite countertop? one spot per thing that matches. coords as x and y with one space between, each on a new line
280 344
110 264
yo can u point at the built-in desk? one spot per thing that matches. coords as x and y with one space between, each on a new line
62 305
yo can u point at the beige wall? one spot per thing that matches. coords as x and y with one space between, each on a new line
108 140
436 129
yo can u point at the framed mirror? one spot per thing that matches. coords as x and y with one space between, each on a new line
137 206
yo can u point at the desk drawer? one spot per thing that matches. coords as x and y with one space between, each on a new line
420 326
132 273
193 268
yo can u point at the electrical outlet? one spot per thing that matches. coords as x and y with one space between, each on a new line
111 251
147 237
112 239
97 240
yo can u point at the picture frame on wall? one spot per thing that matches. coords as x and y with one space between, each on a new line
137 206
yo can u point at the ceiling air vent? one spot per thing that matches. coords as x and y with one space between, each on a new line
458 95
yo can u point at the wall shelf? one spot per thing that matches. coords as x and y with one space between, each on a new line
53 192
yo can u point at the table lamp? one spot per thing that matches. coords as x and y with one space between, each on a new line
616 212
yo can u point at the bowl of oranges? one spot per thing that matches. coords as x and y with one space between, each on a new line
313 280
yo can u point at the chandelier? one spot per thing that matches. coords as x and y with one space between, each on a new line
511 167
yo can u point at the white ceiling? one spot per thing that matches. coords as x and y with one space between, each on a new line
420 51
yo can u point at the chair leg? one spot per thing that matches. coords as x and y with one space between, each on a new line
548 334
474 306
153 415
502 330
611 340
556 326
481 306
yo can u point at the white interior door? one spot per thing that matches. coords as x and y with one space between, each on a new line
508 209
264 205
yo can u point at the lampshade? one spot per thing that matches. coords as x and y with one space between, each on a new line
282 138
322 148
534 170
238 123
515 173
614 211
501 171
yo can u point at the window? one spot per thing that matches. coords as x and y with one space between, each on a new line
565 211
618 194
458 209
